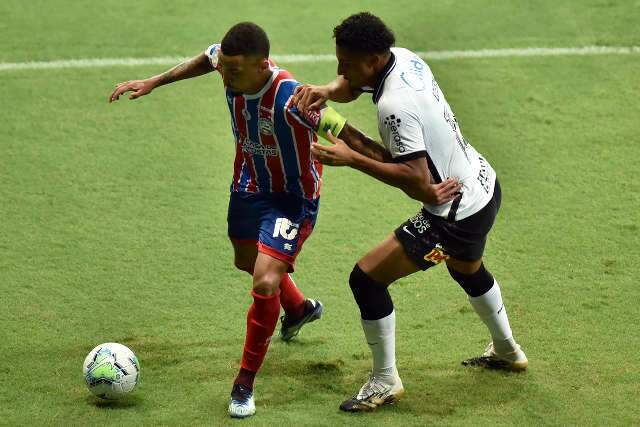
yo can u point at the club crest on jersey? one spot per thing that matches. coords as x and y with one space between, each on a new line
437 255
266 126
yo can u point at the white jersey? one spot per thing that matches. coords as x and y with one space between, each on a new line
415 120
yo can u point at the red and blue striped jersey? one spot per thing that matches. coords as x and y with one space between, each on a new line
273 142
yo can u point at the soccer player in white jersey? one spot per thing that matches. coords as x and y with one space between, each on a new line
426 156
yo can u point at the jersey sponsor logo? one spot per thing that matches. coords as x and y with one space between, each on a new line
285 228
420 223
393 124
450 118
435 89
483 175
312 117
414 78
257 149
437 255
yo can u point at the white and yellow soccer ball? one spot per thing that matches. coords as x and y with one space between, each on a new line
111 370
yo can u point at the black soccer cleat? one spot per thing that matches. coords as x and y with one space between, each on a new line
289 327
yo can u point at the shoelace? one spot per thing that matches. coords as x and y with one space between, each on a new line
372 387
488 351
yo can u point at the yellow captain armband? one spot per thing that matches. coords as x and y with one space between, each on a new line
330 120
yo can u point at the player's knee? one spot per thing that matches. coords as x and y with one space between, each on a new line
475 284
373 298
266 283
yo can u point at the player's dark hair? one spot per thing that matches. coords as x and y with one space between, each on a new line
246 38
364 33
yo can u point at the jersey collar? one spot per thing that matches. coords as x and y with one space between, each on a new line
386 70
274 73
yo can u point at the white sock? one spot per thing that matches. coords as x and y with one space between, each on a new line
381 337
493 313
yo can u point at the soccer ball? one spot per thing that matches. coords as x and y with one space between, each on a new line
111 370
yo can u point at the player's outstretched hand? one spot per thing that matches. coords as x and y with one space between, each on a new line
137 87
307 97
338 154
444 192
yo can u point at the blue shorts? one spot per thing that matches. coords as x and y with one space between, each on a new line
279 223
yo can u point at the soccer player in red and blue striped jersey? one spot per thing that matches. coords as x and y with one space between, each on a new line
272 141
275 190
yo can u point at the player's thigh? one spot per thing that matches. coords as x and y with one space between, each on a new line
243 221
243 216
387 262
284 227
244 255
267 273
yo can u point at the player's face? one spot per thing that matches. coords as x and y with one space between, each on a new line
243 74
359 69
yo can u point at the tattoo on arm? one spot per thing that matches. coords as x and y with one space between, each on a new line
364 145
192 67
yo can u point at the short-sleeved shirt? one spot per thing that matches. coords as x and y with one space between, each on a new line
273 142
415 120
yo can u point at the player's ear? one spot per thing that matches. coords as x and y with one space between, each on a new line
378 59
371 60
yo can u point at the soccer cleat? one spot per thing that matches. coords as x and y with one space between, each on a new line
373 394
291 327
242 404
514 361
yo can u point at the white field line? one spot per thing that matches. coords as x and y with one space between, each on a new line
435 55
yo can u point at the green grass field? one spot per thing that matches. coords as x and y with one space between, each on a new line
113 220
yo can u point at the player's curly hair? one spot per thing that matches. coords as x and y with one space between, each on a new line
364 33
246 38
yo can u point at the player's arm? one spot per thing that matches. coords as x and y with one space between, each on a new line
309 97
410 174
327 119
193 67
364 145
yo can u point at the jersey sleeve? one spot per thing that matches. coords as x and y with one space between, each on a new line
212 53
401 132
320 121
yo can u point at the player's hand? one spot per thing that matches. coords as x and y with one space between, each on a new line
137 87
307 97
444 192
338 154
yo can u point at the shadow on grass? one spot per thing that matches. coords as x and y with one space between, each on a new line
436 391
124 403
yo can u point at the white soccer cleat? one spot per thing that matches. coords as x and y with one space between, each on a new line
242 404
373 394
513 361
